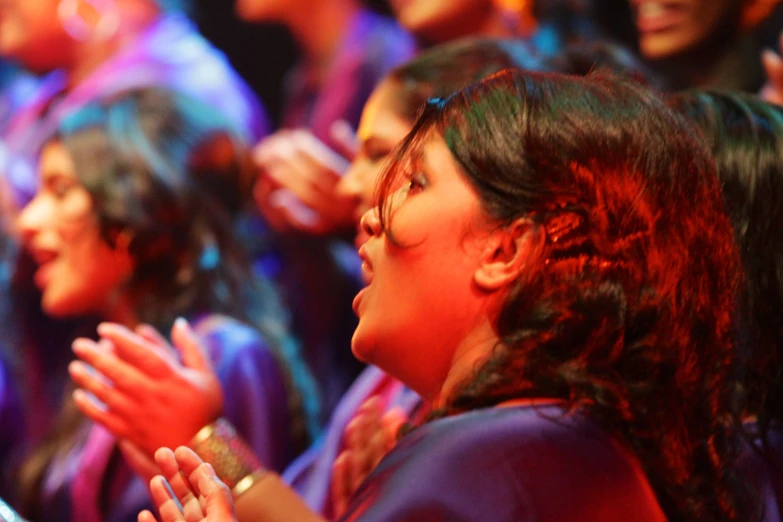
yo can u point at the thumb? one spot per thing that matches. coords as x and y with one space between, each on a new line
189 346
344 138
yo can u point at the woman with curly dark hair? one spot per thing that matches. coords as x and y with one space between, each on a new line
551 266
745 134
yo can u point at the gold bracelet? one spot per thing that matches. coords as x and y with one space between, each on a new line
233 461
244 484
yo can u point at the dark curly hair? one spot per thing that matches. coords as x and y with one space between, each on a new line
628 315
169 181
745 134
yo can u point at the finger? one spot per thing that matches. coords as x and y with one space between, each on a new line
318 154
298 184
392 421
195 509
187 460
124 376
137 351
116 424
219 502
296 214
262 192
175 476
194 354
93 382
773 66
149 333
345 139
168 507
146 516
139 461
340 492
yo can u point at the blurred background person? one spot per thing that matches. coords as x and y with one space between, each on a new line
345 50
133 223
92 49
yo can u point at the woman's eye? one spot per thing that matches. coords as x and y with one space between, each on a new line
416 183
378 156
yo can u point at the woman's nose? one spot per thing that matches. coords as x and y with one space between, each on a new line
28 223
371 222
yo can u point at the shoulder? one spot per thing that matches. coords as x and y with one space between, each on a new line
517 463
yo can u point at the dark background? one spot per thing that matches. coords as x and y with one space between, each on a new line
261 53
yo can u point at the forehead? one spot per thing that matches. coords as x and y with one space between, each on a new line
381 116
55 159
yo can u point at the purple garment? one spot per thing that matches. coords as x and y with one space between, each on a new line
372 46
517 463
11 426
92 483
311 474
170 54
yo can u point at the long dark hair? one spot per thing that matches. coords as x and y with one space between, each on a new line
627 317
169 180
445 69
745 134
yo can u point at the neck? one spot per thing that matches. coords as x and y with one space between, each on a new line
320 30
473 350
122 311
92 54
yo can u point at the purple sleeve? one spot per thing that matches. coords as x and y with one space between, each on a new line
506 464
254 390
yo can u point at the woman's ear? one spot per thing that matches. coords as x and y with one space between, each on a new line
508 252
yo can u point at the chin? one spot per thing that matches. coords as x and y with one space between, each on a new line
653 48
59 308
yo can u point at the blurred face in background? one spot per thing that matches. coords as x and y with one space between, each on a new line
78 272
268 10
380 130
441 20
671 27
32 34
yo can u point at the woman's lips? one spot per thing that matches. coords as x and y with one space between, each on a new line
654 16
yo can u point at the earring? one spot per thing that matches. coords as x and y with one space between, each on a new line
82 30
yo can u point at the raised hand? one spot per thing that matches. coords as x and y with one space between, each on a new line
199 496
299 174
369 436
149 398
773 65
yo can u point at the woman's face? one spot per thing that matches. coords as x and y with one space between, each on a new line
31 33
441 20
420 301
670 27
78 272
381 129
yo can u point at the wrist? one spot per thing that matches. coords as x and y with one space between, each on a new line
234 462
